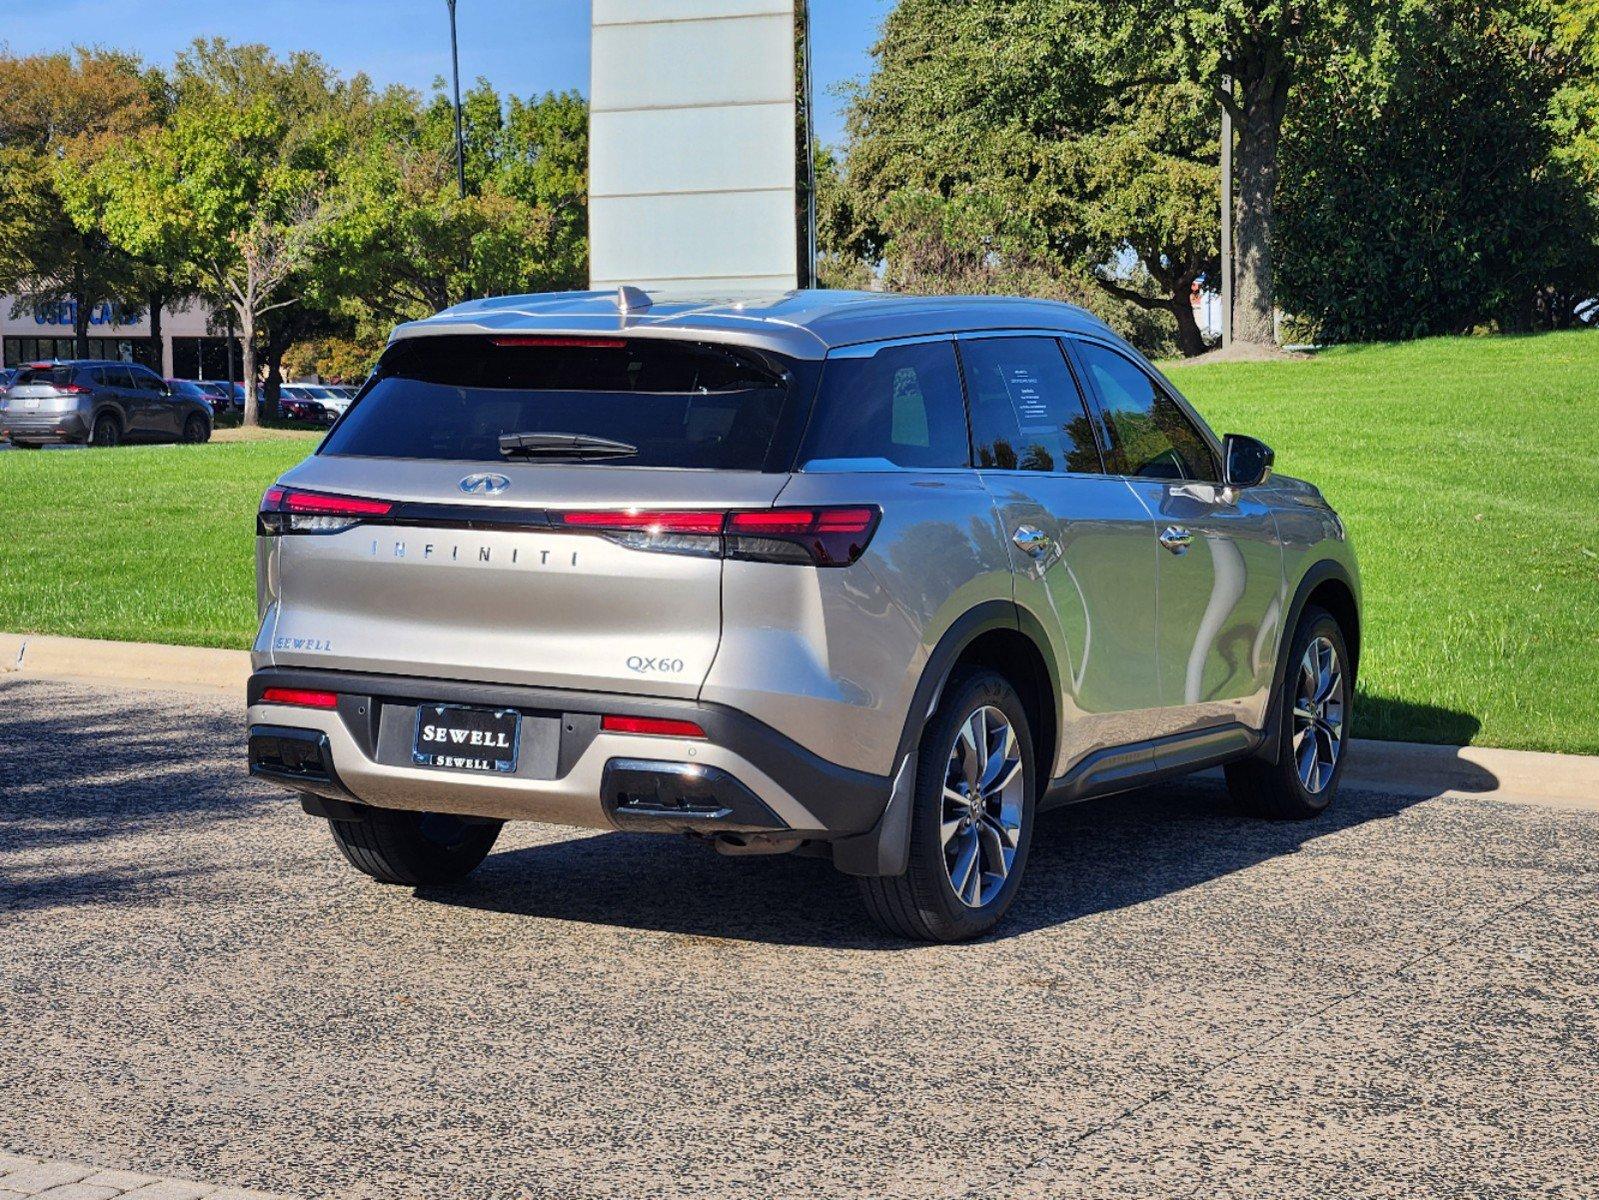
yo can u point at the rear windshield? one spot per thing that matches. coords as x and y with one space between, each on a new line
53 376
680 404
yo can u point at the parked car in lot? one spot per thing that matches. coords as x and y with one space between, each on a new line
100 403
872 577
304 402
191 390
334 399
219 392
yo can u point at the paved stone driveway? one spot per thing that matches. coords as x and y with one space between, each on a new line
1399 1000
23 1176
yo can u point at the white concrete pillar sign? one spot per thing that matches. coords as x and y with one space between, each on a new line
692 150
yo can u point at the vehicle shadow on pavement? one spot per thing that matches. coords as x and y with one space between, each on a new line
1100 856
77 774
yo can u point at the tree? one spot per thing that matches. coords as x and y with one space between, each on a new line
54 107
232 184
291 325
400 242
971 244
1248 55
1006 101
1427 189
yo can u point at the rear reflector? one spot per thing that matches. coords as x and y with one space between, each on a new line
300 698
651 726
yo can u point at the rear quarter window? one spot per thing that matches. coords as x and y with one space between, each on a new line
900 407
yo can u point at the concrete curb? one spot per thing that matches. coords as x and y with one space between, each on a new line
1408 769
142 663
1393 768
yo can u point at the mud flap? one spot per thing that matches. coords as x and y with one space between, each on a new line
886 848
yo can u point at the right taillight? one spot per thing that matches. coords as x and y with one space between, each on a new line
823 537
287 510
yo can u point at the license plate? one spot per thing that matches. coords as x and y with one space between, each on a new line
466 739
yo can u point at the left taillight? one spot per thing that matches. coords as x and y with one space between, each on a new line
289 510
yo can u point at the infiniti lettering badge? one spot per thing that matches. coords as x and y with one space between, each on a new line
490 485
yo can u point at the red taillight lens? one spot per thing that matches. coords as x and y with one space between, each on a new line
562 343
651 726
823 537
669 531
286 510
820 537
300 698
73 389
658 521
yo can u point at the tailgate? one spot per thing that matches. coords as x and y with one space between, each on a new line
473 586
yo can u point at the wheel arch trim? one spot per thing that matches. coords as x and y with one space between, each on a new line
1326 570
885 849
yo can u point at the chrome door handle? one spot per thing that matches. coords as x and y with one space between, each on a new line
1034 541
1176 539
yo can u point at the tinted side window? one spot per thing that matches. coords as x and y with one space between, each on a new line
145 381
1154 437
1027 414
902 406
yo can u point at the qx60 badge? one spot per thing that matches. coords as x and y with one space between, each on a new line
484 484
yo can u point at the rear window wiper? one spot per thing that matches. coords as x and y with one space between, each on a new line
578 446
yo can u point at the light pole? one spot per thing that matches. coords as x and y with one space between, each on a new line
807 278
455 70
1227 214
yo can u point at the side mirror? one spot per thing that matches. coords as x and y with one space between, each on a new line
1248 461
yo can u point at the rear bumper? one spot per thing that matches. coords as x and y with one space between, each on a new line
744 777
44 427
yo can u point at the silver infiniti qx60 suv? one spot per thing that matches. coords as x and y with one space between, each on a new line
873 577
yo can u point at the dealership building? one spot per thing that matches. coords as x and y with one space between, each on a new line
187 349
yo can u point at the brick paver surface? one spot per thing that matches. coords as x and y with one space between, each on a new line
22 1175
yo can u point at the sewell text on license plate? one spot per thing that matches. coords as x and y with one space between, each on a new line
466 739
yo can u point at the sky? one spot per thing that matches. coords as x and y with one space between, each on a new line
520 46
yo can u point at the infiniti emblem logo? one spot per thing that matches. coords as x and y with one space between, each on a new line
484 485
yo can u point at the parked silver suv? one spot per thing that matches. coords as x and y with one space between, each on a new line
872 577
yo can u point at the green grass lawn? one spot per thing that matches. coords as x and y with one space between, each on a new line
148 543
1468 471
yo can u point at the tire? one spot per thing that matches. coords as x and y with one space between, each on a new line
923 904
1285 790
196 430
106 431
414 849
